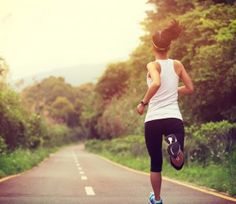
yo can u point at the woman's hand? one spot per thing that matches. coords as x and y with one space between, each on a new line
140 109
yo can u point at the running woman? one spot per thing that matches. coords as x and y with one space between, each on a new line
163 115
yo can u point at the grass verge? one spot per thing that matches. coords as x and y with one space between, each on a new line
22 159
131 151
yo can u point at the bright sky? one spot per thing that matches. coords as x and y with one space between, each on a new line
40 35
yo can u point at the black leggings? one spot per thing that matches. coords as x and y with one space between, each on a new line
154 130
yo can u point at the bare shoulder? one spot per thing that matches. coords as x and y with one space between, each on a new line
153 65
177 63
178 67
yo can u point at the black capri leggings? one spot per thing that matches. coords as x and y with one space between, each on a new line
154 130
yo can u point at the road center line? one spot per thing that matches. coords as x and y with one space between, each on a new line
89 191
84 178
75 158
81 172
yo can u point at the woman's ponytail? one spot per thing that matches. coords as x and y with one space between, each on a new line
162 39
172 31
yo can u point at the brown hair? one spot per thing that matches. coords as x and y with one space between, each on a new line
162 39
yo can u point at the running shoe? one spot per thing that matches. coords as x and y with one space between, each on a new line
152 199
174 147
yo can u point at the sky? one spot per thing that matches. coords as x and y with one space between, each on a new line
40 35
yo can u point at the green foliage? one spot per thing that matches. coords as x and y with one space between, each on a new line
12 118
46 91
116 120
62 110
3 146
211 142
21 160
211 61
36 130
57 135
113 82
21 128
231 169
57 100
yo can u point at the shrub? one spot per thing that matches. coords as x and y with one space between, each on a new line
211 142
3 146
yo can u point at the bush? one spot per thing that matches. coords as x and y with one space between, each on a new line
57 134
22 159
3 146
36 131
211 142
130 145
12 118
120 118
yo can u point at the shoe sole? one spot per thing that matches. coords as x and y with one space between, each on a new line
174 149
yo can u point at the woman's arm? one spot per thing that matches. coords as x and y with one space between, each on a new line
188 87
153 70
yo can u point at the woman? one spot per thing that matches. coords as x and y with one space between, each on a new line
163 115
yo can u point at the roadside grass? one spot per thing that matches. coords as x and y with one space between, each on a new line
22 159
131 151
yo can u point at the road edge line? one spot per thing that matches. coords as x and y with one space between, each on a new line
201 189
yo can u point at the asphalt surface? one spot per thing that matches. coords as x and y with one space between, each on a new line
73 176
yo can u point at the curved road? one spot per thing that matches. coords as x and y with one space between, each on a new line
73 176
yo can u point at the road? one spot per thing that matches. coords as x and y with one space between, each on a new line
74 176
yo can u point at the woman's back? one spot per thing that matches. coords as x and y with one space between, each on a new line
164 104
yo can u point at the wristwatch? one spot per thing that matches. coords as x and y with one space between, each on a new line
144 104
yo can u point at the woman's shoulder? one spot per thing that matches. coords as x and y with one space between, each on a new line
178 66
177 62
153 64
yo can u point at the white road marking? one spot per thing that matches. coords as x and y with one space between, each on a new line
79 168
84 178
89 191
75 158
81 172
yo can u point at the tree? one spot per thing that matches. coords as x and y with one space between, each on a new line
113 82
63 111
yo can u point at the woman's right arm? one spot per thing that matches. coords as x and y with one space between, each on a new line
188 87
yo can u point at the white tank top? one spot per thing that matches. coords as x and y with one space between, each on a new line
164 104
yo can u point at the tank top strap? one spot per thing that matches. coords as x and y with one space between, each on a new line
167 67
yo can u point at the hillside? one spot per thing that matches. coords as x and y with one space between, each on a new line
75 75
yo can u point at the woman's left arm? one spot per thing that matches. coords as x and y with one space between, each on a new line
153 70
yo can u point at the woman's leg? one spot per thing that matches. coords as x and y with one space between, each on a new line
153 139
176 127
156 180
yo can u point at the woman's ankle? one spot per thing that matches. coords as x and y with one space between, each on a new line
157 197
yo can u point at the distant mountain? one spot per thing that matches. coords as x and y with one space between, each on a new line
75 75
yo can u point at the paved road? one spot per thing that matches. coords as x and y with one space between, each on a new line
73 176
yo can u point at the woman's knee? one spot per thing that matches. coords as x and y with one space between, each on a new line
156 164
